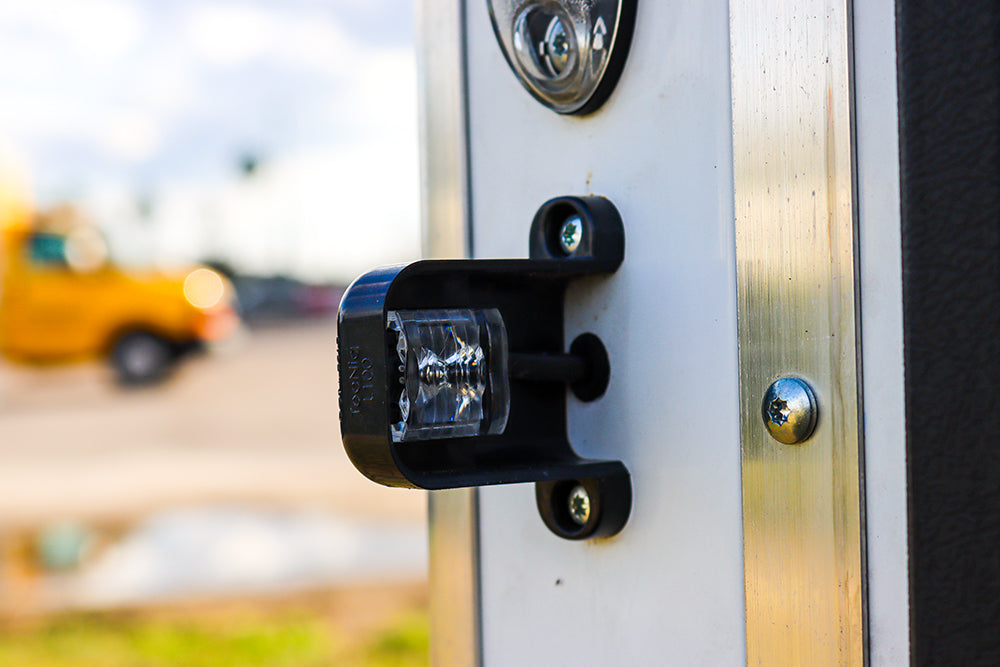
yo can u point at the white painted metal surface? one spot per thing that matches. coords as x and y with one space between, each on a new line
669 588
881 330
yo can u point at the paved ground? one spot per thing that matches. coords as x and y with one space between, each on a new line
229 479
254 424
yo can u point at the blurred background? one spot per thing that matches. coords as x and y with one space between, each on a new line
185 190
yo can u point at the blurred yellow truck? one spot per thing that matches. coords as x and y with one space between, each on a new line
62 300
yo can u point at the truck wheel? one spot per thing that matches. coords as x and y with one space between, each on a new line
141 358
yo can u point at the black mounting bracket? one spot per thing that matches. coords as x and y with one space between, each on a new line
529 295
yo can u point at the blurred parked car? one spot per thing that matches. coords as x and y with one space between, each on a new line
61 299
275 300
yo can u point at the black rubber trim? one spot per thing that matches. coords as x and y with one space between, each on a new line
949 111
616 65
610 506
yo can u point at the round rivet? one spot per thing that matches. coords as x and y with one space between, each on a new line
789 410
579 505
571 234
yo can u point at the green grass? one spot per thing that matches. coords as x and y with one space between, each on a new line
280 639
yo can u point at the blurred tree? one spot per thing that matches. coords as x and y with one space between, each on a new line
249 164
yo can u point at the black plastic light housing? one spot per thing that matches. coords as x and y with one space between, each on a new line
376 367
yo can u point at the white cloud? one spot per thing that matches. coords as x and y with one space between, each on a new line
131 135
58 65
169 86
230 35
137 84
96 30
385 88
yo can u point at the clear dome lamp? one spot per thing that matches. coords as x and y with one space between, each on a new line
567 53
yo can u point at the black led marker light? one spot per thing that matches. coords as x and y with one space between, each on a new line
453 372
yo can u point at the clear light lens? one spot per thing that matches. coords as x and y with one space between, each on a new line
559 49
452 373
544 46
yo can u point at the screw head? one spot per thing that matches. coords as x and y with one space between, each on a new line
789 410
571 234
579 505
557 47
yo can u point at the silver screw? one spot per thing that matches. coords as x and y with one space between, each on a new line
789 410
571 234
556 46
579 505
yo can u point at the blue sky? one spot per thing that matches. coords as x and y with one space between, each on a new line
112 100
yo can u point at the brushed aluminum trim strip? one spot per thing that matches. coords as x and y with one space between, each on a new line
442 108
795 248
455 638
